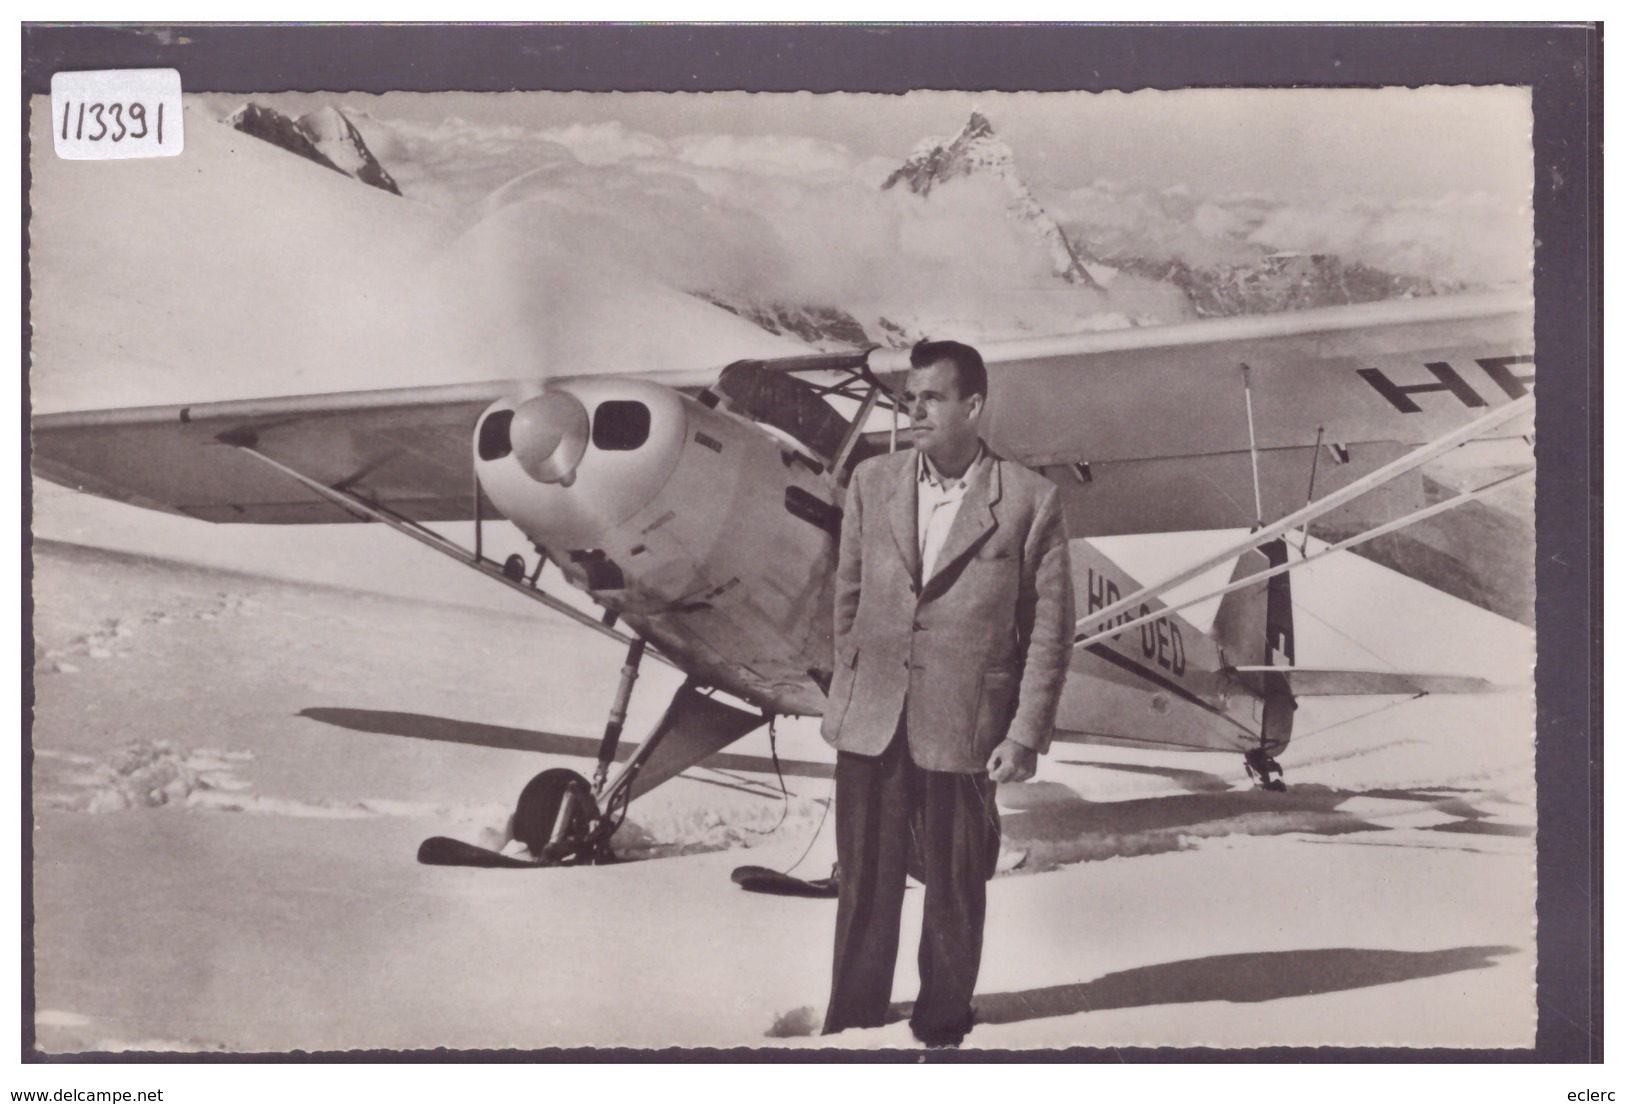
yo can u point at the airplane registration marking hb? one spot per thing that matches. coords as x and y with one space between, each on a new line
1446 378
1160 640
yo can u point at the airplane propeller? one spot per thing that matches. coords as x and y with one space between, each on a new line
549 435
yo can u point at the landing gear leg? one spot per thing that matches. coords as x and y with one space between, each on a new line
1262 768
563 821
617 714
558 818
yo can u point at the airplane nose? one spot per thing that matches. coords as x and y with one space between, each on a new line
549 435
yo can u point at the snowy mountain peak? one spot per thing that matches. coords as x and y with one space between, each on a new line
976 150
336 136
978 153
325 136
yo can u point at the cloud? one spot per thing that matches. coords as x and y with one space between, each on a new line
797 220
767 155
605 143
539 286
953 260
1111 221
1471 239
454 164
754 218
802 219
776 214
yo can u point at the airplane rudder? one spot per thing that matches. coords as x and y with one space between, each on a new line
1281 648
1279 651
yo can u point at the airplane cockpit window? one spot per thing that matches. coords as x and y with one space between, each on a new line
620 425
494 435
784 402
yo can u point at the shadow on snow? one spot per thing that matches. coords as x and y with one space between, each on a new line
419 726
1246 978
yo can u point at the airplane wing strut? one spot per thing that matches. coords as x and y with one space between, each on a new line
1411 460
426 536
1330 683
1251 580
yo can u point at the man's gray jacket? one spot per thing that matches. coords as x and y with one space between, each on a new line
979 651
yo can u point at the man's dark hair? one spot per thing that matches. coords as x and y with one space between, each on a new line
970 374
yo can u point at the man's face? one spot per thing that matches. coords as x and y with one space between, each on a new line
945 425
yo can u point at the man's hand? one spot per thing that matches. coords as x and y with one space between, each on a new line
1012 762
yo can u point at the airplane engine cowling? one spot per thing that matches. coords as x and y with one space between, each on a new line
570 463
712 535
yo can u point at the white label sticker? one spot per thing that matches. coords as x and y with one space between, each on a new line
113 113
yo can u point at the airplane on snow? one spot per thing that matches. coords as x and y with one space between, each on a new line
701 512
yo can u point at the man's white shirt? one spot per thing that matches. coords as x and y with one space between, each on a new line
939 501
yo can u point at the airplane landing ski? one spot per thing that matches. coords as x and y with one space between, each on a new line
445 851
759 879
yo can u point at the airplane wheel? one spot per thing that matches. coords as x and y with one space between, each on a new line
537 815
513 568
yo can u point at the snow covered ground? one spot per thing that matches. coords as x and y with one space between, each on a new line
232 774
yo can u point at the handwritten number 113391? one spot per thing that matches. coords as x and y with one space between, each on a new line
113 122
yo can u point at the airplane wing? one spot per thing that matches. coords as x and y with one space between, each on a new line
1147 430
407 449
1154 421
1144 430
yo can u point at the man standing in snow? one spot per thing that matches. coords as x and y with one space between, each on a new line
953 627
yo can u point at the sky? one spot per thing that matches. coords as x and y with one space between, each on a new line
1376 145
778 196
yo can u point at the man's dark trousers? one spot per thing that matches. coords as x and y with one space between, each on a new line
891 819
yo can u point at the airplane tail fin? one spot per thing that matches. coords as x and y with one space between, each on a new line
1253 629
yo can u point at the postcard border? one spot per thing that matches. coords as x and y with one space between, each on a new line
1561 63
